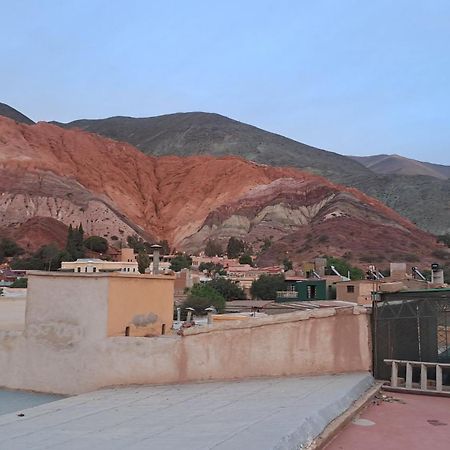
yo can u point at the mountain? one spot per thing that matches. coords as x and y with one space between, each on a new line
199 133
114 190
8 111
425 200
399 165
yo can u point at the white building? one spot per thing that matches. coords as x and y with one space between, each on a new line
88 265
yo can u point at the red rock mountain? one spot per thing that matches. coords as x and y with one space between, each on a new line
114 190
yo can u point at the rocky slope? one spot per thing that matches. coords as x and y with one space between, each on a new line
114 190
200 133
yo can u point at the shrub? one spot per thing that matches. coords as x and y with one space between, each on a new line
202 296
9 248
343 267
96 244
266 286
246 259
180 261
20 283
228 289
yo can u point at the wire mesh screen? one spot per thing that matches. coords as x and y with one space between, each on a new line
413 326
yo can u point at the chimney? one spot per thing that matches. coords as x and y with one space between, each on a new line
437 274
156 249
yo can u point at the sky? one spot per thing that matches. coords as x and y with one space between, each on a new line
353 77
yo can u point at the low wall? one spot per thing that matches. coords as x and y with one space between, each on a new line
300 343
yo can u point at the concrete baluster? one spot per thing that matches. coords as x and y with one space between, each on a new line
423 377
408 375
438 377
394 374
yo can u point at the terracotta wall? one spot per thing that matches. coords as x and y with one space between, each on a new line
142 304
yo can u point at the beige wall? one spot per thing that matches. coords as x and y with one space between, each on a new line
362 291
142 303
65 348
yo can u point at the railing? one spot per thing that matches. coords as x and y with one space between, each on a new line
423 386
287 294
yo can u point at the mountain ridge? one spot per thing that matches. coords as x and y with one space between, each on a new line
423 199
115 190
400 165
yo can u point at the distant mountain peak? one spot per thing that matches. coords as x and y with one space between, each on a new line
11 113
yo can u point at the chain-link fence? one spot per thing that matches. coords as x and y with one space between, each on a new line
412 326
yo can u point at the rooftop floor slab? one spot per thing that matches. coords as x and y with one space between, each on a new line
401 421
281 413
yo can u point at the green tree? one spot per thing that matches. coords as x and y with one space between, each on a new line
96 244
9 248
228 289
246 259
344 267
20 283
266 286
202 296
138 244
47 257
213 248
180 261
212 269
235 247
74 244
143 261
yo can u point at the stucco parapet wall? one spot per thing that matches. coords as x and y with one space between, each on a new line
41 273
273 320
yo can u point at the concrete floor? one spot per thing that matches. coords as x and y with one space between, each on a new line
281 413
410 422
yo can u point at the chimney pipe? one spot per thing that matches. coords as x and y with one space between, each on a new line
156 249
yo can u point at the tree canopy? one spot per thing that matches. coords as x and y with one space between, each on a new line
246 259
74 244
344 267
96 243
212 269
202 296
143 261
180 261
266 286
9 248
228 289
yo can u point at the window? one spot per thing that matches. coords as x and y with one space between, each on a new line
350 289
78 269
94 269
85 269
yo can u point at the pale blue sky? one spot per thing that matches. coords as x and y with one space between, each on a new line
355 77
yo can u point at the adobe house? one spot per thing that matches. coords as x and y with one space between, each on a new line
120 304
358 291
